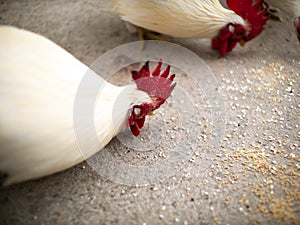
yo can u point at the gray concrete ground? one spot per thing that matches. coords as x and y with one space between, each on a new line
250 176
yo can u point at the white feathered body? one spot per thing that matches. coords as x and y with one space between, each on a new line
38 85
178 18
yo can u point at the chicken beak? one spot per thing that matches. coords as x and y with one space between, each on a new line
151 113
242 43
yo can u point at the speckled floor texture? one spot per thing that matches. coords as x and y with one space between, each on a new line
251 175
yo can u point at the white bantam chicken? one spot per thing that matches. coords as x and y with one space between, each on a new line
38 84
197 19
292 8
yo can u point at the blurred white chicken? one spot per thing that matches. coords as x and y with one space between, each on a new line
197 19
38 84
292 8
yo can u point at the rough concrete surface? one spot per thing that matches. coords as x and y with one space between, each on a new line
250 176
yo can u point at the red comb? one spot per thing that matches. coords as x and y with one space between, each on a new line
253 13
158 85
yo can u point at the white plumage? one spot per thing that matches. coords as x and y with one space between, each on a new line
38 84
181 18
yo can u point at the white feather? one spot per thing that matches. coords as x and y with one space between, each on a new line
178 18
38 84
